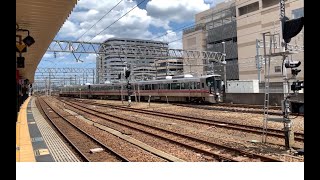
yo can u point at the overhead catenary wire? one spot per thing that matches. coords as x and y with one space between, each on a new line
117 20
99 20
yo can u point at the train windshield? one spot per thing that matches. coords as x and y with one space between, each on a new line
214 83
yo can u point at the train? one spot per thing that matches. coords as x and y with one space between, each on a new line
204 89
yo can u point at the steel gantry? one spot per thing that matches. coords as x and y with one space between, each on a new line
64 76
79 47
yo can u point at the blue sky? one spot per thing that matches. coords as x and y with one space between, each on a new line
151 19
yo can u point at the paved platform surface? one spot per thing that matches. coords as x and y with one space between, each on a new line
38 140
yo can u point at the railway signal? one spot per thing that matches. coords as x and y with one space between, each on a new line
129 87
127 74
292 64
291 28
295 72
297 86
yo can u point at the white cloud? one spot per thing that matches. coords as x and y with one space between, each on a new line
173 38
158 13
214 2
90 58
70 29
136 24
88 12
175 10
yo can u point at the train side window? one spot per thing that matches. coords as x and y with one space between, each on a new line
165 86
175 85
198 85
148 87
182 86
186 86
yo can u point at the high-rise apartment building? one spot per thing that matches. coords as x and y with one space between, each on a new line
112 63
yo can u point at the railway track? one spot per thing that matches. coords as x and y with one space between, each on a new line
81 141
237 108
226 153
246 128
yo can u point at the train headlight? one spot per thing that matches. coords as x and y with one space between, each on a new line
217 94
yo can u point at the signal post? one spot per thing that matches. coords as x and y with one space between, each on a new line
288 30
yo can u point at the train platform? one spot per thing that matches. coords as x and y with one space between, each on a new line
36 141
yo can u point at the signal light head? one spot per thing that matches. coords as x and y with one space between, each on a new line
295 71
292 64
291 28
296 86
28 40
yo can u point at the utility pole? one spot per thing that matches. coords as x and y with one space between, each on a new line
127 75
49 83
282 19
46 86
224 67
285 106
92 76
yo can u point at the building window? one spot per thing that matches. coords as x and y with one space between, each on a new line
249 8
297 13
268 3
277 69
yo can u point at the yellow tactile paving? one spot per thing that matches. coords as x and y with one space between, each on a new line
24 151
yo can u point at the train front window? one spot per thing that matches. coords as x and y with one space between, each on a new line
214 83
210 82
218 82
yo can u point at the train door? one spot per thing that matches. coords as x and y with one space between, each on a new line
215 87
202 87
89 92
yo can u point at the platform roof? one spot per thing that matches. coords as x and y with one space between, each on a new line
43 18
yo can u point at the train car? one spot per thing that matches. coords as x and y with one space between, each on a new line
191 89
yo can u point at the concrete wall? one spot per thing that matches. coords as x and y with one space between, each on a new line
258 98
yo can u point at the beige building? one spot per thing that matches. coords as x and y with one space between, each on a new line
213 26
255 17
168 67
194 39
251 18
